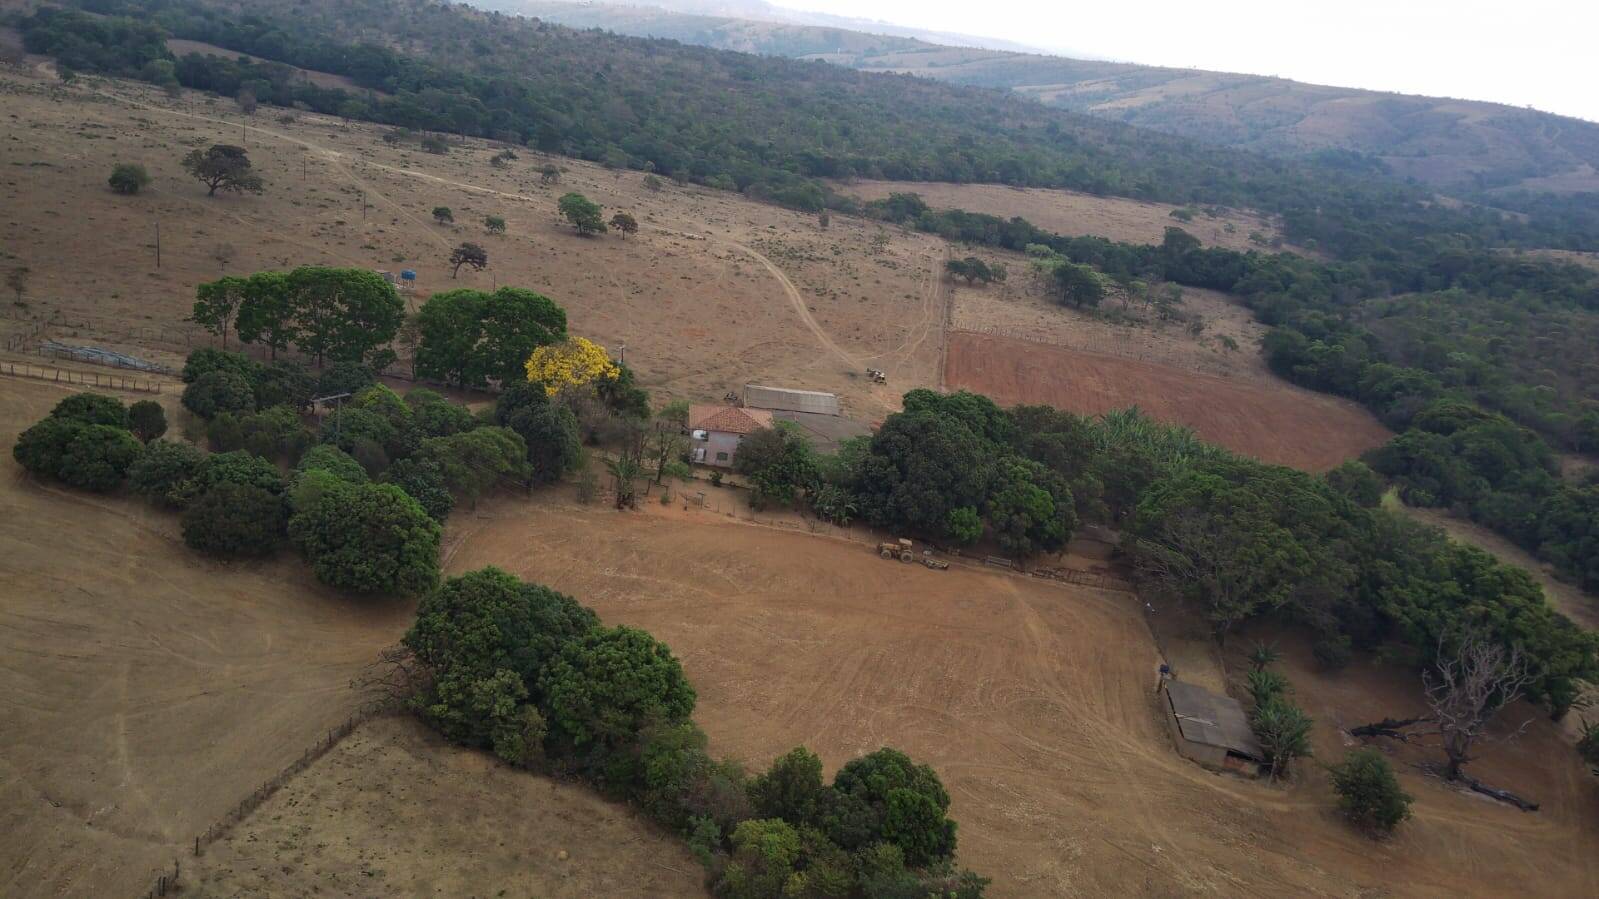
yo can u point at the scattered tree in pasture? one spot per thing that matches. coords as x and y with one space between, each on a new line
266 314
223 167
369 538
971 268
884 796
129 178
247 101
583 213
1471 682
652 183
823 220
494 224
79 454
17 281
625 223
344 314
1369 795
435 144
549 174
235 521
1283 730
223 253
443 215
468 254
147 420
503 158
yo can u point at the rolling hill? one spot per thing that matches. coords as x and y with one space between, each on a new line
1458 145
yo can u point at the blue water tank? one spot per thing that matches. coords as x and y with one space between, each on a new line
408 275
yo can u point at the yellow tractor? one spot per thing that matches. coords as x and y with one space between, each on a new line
900 549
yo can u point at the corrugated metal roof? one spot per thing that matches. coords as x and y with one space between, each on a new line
785 399
1211 720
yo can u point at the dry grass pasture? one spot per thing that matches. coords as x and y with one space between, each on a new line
1074 214
1273 422
715 291
1034 702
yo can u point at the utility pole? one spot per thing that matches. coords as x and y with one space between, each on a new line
623 360
157 243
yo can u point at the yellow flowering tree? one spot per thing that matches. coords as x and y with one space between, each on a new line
571 363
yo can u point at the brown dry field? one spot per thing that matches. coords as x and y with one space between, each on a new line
715 291
1275 423
1074 214
1034 703
393 810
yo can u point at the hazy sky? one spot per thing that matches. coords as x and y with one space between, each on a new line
1523 52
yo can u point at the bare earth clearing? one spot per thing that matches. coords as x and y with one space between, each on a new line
1275 423
1074 214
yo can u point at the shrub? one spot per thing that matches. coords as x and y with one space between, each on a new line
1369 794
284 383
369 538
550 431
1265 686
235 521
331 459
792 789
1333 651
92 409
611 683
219 391
443 215
423 481
129 178
486 638
207 359
1355 480
147 420
884 796
163 469
40 447
236 467
765 853
90 456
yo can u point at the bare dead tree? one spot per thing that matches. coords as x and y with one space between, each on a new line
392 679
1471 684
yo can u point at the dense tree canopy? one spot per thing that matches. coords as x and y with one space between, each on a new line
469 337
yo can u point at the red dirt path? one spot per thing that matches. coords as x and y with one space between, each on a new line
1274 422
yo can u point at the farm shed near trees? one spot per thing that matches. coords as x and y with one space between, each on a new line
783 399
1212 730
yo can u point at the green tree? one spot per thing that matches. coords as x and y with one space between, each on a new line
89 456
779 462
343 313
219 391
1079 285
468 336
284 383
216 303
624 223
443 215
92 409
583 213
266 313
235 521
1369 794
765 853
474 461
163 469
223 167
884 796
494 224
325 457
550 431
1283 730
1357 481
147 420
613 682
369 538
128 178
423 481
234 467
468 254
792 789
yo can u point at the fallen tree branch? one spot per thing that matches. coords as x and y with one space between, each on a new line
1478 786
1387 727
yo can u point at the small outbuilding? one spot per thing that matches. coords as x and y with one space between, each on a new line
716 431
1212 730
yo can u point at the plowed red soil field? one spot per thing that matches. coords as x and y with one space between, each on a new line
1275 422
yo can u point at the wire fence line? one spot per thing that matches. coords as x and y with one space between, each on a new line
169 882
86 379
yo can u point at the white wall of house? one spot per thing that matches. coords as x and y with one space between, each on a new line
718 448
